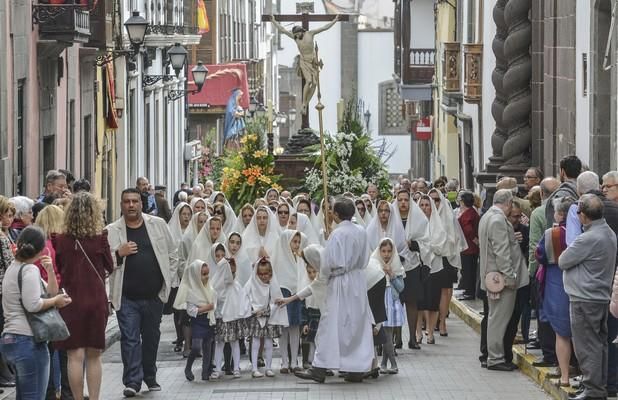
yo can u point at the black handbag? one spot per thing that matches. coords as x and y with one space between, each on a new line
47 325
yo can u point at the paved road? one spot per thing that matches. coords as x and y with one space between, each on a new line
446 370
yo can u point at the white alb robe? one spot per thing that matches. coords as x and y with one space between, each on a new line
344 340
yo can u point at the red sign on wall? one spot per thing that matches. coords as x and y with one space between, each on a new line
422 129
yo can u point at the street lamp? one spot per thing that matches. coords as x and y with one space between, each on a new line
199 75
136 27
253 105
292 115
367 115
178 57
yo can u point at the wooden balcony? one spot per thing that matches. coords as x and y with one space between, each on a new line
66 23
451 82
422 67
473 56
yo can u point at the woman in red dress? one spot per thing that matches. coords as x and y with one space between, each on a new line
84 260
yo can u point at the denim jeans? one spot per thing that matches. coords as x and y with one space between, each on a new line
31 363
139 322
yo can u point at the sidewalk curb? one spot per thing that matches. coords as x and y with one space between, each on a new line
521 358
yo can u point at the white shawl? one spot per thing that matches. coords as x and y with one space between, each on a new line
203 242
317 288
375 268
263 295
239 226
394 230
306 227
186 242
232 300
286 265
192 290
455 239
174 224
433 242
416 226
195 200
252 240
243 265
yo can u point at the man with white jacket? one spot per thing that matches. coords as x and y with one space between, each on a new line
146 260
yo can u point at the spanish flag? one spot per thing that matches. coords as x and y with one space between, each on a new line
202 18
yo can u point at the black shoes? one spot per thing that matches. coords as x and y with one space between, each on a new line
189 375
504 367
533 345
413 346
153 386
313 374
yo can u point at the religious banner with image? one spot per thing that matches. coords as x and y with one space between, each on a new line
372 14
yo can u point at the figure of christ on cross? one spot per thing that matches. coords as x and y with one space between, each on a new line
309 64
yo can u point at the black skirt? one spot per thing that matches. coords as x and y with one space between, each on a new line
413 290
376 301
447 276
431 294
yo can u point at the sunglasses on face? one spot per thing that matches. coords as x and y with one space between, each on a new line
273 209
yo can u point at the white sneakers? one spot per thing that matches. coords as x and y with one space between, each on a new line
257 374
270 373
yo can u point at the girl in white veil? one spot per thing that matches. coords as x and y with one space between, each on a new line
227 216
451 256
243 219
415 228
180 221
376 231
238 253
198 204
197 297
261 235
233 306
267 318
431 246
300 222
210 234
288 266
386 260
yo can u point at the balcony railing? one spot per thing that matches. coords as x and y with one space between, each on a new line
171 30
63 23
422 66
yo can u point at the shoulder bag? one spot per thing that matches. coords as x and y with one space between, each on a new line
110 310
47 325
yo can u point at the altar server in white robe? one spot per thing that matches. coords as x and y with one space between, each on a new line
261 235
344 340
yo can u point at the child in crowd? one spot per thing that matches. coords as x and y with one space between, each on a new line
233 307
288 266
387 258
267 319
196 295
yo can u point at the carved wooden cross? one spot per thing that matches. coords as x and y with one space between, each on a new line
305 18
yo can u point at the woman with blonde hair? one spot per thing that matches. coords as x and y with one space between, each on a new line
7 248
84 259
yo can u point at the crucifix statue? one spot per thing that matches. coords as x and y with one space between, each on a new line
309 65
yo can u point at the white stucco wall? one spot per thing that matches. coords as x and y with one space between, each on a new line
422 23
489 63
375 65
582 103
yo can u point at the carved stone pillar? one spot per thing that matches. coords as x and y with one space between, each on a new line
499 136
517 78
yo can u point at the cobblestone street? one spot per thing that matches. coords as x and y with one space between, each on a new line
446 370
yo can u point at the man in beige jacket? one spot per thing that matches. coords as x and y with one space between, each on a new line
146 260
500 251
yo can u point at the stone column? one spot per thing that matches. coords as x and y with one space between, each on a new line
516 116
498 137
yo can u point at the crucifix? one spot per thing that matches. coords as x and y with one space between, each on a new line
308 66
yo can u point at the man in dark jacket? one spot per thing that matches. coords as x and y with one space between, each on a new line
570 168
163 206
